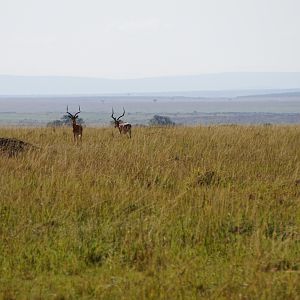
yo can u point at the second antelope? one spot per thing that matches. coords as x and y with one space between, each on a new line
123 127
77 129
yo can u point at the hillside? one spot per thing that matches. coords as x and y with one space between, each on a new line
208 85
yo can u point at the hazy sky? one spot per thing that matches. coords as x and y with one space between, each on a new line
142 38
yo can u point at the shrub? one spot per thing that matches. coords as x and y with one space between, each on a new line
161 120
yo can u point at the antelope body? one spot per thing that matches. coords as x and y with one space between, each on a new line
77 129
123 127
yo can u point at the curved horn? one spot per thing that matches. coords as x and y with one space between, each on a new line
112 114
79 111
69 114
122 115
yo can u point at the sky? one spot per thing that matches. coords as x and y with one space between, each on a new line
148 38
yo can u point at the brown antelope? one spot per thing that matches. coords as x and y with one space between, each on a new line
77 129
123 127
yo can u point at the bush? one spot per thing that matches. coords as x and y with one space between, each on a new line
161 120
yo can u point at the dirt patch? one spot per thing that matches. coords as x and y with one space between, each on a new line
12 147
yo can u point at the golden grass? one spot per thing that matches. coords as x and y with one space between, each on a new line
173 213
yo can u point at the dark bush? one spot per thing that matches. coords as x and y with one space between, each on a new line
161 120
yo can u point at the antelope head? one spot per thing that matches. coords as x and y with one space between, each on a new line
73 117
117 120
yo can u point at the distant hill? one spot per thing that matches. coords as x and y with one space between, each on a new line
289 94
207 85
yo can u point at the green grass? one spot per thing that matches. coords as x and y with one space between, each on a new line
173 213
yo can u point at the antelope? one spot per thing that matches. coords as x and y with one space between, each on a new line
77 129
123 127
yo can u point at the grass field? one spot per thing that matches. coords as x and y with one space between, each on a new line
173 213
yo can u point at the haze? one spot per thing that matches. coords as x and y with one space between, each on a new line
134 38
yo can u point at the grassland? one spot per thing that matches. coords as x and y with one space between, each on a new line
173 213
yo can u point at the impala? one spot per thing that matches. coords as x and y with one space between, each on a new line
123 127
77 129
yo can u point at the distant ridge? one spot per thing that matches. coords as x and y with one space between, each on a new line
278 94
206 85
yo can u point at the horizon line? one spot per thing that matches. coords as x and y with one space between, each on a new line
151 77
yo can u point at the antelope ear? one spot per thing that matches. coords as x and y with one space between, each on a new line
76 117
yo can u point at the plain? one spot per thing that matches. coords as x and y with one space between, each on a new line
173 213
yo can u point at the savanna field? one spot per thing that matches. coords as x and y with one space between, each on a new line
173 213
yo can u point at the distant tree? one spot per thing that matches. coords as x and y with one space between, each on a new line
64 121
55 123
161 120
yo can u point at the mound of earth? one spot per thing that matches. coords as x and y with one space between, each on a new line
13 147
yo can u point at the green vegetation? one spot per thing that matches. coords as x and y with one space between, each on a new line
173 213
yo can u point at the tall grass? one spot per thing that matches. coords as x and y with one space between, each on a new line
173 213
